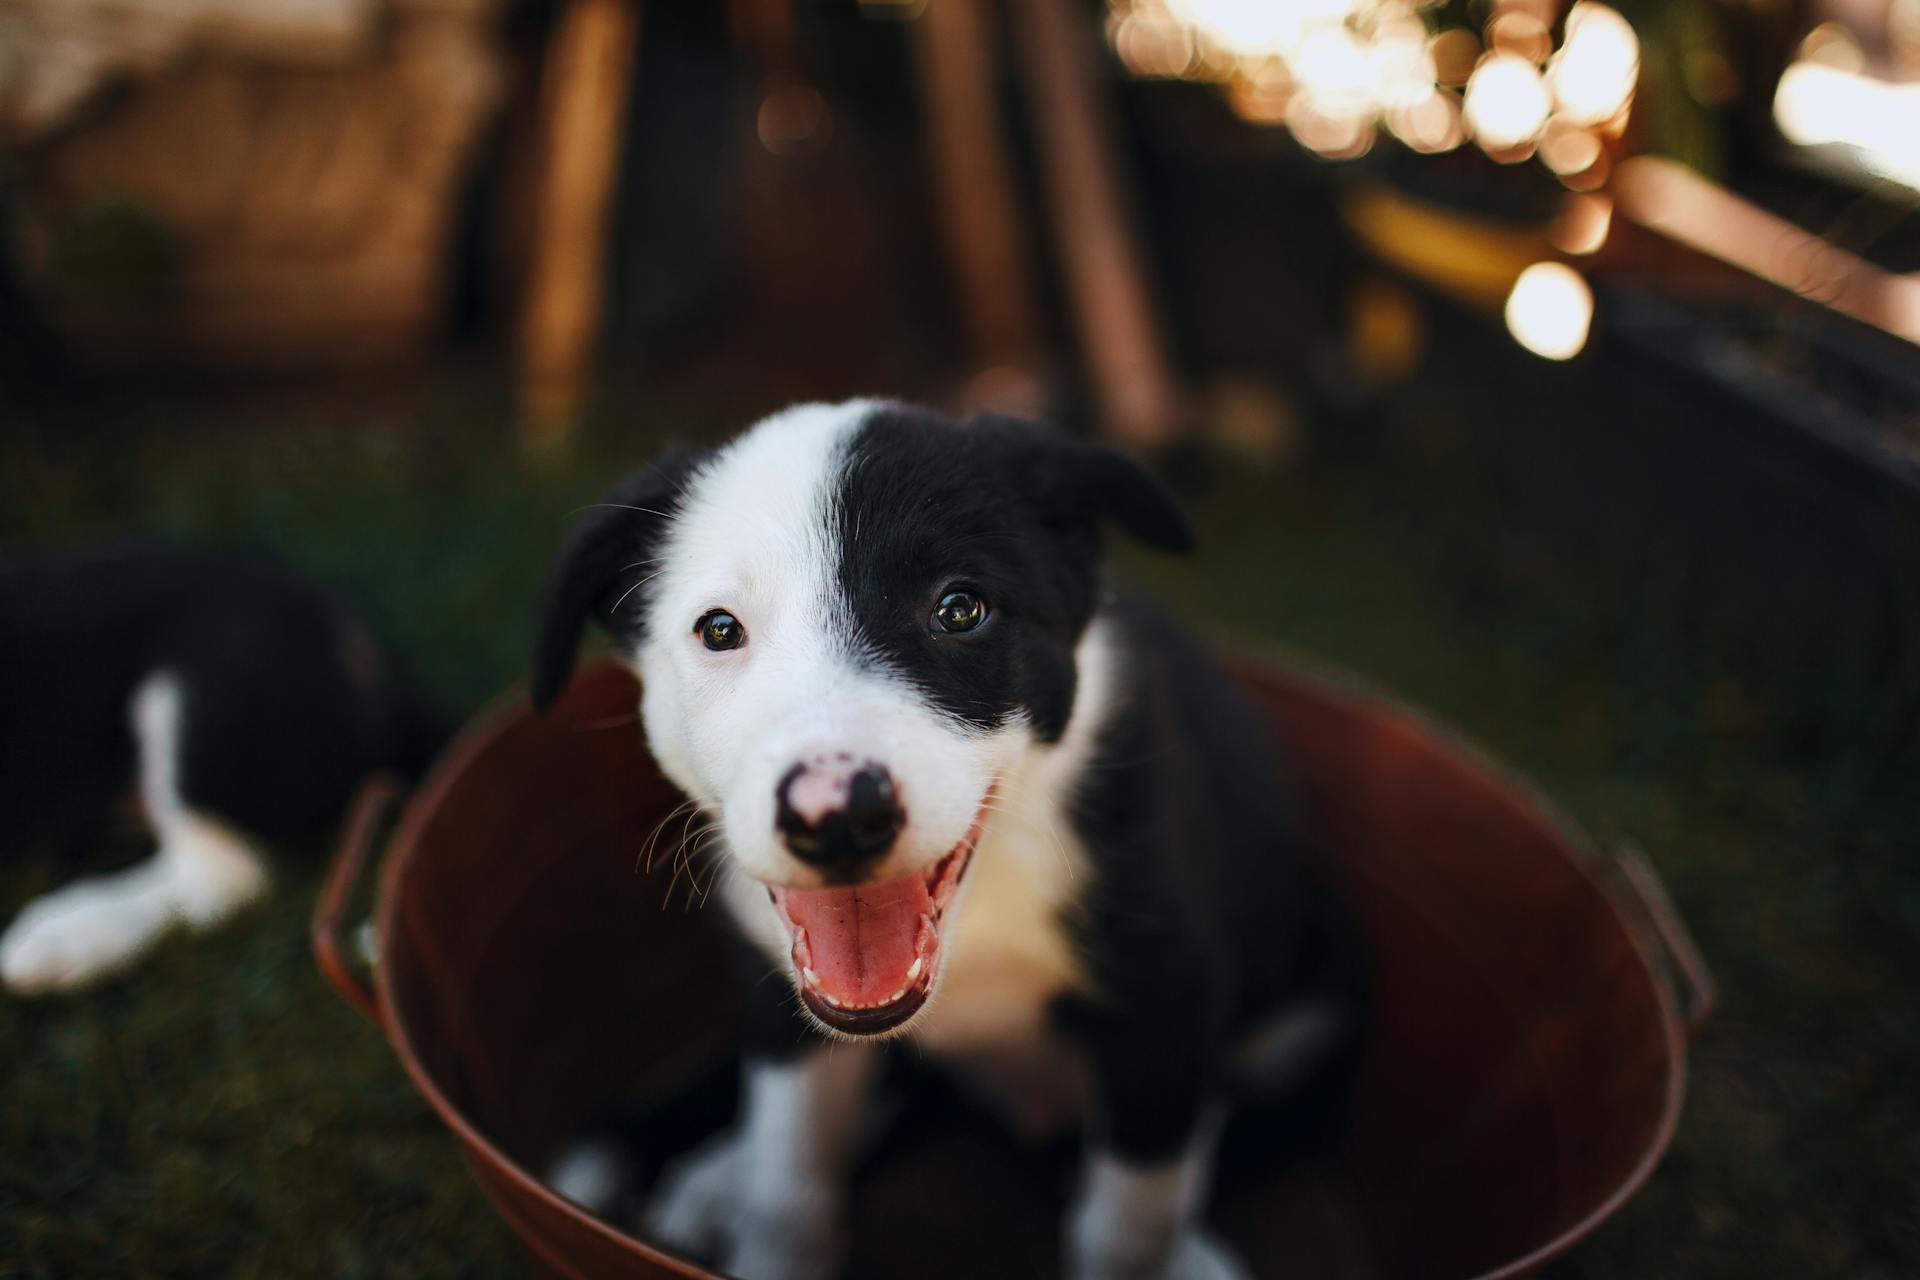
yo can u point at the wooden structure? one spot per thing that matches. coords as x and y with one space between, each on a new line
1137 398
271 185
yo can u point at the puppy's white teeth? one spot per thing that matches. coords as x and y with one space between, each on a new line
913 971
813 979
895 996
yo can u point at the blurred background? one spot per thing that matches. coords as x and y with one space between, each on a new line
1550 365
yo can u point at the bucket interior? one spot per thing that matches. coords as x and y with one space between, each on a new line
1522 1070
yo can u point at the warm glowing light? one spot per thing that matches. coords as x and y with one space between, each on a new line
1258 27
1672 200
1594 74
1833 44
1455 52
1521 34
1431 125
1336 137
1569 150
1550 310
1819 104
1154 47
1582 224
1507 103
1332 70
1336 77
1261 101
1403 70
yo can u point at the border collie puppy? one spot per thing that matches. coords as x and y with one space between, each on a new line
968 795
234 700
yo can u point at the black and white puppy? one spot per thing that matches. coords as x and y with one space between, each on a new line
967 794
235 701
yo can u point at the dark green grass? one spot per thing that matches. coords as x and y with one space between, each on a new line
221 1112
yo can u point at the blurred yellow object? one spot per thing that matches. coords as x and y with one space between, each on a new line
1476 259
1386 331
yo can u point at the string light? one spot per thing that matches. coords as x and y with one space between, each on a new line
1334 71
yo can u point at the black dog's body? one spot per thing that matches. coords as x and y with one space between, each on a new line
1189 808
1139 925
279 699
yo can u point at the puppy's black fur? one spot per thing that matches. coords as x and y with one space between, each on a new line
287 702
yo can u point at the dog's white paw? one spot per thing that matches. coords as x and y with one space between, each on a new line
709 1207
75 936
1195 1255
1202 1256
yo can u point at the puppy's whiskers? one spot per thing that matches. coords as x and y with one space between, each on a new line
611 722
617 506
1020 823
644 861
635 587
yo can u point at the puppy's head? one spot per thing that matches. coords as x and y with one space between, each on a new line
851 625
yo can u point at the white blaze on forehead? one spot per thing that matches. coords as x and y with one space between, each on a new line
756 521
752 535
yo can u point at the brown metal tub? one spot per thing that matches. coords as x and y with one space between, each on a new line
1523 1077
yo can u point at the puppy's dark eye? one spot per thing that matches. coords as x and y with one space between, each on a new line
719 630
958 612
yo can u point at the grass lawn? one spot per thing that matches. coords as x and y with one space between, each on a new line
221 1112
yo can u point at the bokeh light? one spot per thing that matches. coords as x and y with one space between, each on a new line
1430 125
1333 72
1550 310
1582 224
1455 53
1594 74
1507 102
1818 103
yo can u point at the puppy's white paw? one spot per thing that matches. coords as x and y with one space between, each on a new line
75 936
80 934
1195 1255
709 1207
1203 1256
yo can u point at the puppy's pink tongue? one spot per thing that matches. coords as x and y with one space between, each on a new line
860 940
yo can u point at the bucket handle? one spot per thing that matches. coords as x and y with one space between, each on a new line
1699 993
376 796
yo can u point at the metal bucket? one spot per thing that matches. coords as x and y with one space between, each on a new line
1522 1078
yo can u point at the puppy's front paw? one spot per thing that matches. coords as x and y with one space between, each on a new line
1194 1255
709 1207
1203 1256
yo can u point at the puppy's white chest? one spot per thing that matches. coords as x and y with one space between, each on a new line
1010 954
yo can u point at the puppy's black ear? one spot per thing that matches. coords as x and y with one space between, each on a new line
1078 480
607 550
1125 494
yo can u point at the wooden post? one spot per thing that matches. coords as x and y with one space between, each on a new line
583 99
978 205
1139 401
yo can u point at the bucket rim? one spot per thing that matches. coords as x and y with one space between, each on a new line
1265 665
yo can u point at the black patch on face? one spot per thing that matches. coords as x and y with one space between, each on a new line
1003 508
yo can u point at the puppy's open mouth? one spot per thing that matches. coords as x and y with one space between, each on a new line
866 955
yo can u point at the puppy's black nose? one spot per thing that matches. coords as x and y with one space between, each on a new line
836 814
